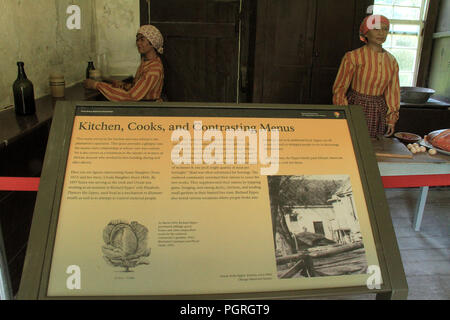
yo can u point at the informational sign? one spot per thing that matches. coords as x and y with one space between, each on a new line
184 205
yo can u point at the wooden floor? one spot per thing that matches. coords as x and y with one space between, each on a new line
425 254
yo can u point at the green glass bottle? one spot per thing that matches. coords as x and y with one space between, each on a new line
23 92
89 68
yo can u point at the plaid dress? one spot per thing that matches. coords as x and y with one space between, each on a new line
375 109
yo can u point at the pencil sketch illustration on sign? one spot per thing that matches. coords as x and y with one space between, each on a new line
315 226
125 244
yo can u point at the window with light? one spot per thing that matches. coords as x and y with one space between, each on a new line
405 36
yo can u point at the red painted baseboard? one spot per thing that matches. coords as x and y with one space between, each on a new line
32 184
19 184
431 180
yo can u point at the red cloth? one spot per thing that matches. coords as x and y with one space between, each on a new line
371 22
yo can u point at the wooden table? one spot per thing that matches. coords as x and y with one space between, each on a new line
13 127
22 140
422 171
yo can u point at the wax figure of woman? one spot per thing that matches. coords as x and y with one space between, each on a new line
149 79
368 77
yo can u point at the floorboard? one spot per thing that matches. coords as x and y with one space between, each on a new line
425 253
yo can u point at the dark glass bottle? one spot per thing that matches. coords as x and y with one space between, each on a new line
23 92
89 68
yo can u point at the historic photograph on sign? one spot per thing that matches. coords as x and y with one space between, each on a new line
315 226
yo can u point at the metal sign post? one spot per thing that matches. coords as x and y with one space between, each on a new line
5 283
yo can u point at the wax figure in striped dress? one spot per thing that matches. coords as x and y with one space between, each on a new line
368 77
149 79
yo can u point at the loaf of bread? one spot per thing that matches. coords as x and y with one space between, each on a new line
440 139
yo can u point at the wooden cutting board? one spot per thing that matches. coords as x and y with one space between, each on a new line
391 147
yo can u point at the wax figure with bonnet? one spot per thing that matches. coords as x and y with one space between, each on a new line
368 77
149 79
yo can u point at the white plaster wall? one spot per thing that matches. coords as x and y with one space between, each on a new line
344 214
116 25
307 217
34 31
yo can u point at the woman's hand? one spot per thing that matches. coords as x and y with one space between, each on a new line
90 84
390 129
117 83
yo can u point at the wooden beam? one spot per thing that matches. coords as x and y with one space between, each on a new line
196 29
262 24
439 35
322 254
295 269
144 11
427 47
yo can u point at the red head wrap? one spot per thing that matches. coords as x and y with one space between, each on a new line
370 23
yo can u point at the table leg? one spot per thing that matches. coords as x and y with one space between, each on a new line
418 215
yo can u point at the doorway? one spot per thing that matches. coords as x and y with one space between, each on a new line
206 47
